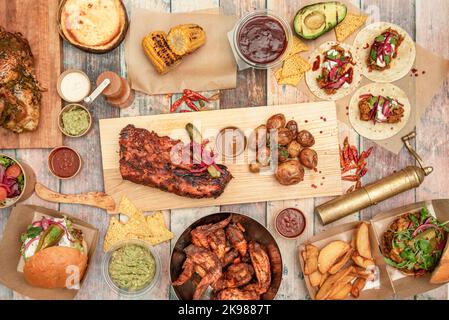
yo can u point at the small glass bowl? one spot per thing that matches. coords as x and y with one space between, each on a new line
122 291
271 14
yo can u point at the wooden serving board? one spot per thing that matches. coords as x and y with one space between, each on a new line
319 118
36 20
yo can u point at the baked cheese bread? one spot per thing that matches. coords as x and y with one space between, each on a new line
93 25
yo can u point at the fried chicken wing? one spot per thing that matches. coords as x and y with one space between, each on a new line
187 272
236 275
230 256
208 261
237 239
261 264
217 242
200 235
237 294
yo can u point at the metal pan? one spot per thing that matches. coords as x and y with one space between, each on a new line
254 232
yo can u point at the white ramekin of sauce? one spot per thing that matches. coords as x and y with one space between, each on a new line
73 85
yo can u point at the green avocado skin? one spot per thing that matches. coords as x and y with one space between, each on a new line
334 12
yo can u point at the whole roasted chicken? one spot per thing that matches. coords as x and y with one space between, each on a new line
20 92
223 259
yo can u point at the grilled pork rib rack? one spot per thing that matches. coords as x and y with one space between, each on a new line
146 158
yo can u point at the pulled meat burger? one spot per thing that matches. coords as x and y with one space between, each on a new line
55 253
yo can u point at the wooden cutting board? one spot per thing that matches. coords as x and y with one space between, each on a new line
319 118
36 20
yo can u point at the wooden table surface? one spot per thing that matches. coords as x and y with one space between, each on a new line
425 21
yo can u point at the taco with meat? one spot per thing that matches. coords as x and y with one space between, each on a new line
387 52
378 111
335 71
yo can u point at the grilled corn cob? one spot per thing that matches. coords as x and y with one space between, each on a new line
158 51
186 38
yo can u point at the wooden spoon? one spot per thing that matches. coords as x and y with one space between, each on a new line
94 199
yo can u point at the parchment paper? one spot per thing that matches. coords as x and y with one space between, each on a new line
211 67
427 85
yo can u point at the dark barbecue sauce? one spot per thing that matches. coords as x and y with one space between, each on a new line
262 40
64 162
290 222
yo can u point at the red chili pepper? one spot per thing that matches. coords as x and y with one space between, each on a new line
363 172
342 161
351 188
368 152
194 96
355 154
350 155
176 104
360 167
349 167
352 178
191 104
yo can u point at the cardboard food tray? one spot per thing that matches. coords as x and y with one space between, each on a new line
391 281
380 288
11 260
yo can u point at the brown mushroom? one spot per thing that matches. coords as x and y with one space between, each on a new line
254 167
276 122
308 158
285 136
294 148
292 125
305 139
258 138
290 172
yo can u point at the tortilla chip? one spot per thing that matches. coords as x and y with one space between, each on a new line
298 46
295 65
128 208
292 80
159 231
116 232
151 229
349 25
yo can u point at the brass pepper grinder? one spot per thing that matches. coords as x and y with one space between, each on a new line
387 187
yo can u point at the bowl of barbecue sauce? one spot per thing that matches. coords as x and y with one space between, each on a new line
290 223
64 162
262 39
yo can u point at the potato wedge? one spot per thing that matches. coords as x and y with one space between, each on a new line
331 253
362 242
342 294
315 278
361 261
340 284
341 262
311 261
323 278
328 285
357 287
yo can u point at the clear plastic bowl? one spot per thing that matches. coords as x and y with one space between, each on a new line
123 291
271 14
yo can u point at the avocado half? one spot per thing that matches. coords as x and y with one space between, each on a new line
314 20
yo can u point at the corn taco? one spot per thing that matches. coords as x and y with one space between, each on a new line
386 52
379 111
335 73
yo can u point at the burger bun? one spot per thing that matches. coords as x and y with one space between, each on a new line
55 267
